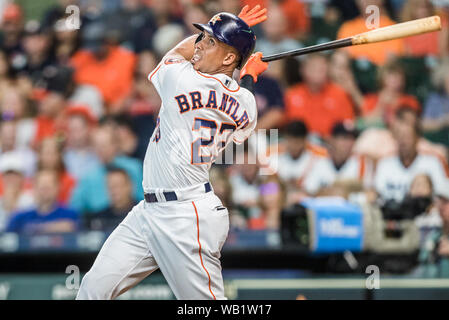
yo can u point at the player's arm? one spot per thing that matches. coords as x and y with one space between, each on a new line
164 73
183 50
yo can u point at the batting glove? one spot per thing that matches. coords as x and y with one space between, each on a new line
253 16
254 66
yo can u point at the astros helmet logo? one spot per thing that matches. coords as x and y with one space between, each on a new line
215 19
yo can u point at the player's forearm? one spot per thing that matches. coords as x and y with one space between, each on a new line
184 49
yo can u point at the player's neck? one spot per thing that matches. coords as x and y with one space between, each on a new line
224 70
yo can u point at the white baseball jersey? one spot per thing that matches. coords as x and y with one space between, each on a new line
199 116
324 173
392 180
296 169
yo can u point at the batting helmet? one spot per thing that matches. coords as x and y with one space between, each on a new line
233 31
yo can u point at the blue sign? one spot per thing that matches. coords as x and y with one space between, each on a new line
336 225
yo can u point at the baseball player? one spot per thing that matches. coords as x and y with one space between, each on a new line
182 225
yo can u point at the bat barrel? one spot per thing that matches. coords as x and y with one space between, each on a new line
396 31
400 30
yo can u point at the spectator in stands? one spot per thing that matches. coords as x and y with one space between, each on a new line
195 13
377 143
79 155
219 179
295 12
166 37
245 183
434 254
421 189
48 216
50 158
128 141
436 109
348 9
9 145
318 102
166 12
90 194
51 102
120 191
276 40
5 70
272 198
395 173
37 42
170 29
13 196
270 105
135 23
341 73
377 53
378 108
232 6
11 35
104 64
221 185
14 105
67 41
143 103
56 11
297 160
143 98
428 44
342 163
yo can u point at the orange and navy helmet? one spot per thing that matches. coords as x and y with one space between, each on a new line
232 31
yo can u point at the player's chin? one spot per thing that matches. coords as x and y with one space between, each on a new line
195 65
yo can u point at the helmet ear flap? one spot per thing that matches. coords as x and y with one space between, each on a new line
199 38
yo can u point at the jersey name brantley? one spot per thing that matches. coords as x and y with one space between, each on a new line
226 104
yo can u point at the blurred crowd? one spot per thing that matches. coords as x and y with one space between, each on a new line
367 123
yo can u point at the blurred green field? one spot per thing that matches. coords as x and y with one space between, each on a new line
34 9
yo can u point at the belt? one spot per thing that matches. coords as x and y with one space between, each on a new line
170 195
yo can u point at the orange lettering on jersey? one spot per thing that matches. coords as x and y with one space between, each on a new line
196 100
182 103
212 101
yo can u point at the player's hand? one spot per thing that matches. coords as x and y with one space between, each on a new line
253 16
254 66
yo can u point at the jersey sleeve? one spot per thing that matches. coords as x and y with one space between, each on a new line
167 74
247 127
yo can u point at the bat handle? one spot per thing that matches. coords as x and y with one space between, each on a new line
316 48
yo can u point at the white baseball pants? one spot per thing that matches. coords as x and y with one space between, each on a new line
182 238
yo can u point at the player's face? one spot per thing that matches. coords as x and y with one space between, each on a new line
212 56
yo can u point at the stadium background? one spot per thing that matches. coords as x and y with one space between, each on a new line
77 112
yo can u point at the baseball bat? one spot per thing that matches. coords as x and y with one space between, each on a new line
396 31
